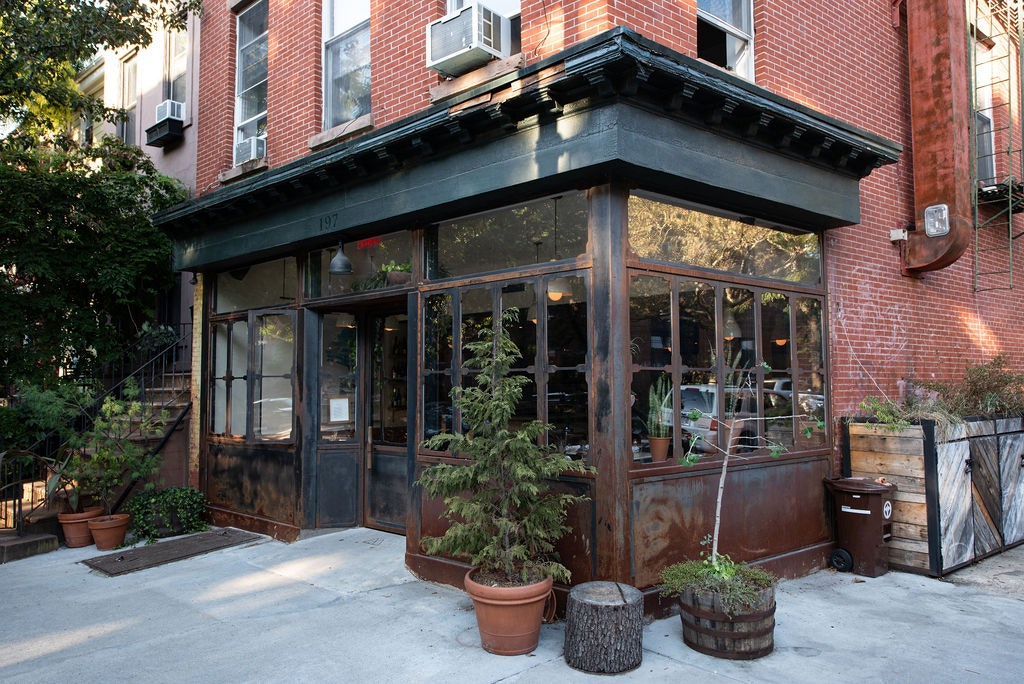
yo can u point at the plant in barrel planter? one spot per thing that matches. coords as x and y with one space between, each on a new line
505 517
727 608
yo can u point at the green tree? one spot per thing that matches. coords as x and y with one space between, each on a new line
80 261
44 42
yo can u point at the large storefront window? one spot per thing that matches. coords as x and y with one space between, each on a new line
272 283
547 230
749 358
670 232
551 333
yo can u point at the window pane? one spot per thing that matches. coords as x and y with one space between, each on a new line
252 23
567 322
272 405
738 330
252 65
252 102
568 411
342 15
272 283
177 64
539 232
651 409
696 324
348 76
338 405
734 12
668 232
437 331
523 297
810 383
437 405
650 322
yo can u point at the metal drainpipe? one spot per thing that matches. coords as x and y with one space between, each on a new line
940 111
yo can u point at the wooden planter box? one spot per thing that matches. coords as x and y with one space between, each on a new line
961 490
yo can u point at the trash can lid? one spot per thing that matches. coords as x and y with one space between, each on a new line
859 485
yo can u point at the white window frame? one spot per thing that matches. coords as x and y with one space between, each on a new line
127 129
984 136
739 61
242 124
176 65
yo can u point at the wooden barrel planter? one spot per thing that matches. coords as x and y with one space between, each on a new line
745 634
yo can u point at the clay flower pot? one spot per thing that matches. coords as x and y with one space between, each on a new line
108 531
508 617
76 526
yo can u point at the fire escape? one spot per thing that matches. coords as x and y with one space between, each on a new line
997 169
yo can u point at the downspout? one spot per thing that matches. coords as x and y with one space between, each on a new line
940 112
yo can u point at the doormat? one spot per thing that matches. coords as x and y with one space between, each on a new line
149 556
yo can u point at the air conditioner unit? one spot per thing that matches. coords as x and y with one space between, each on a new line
467 39
249 149
170 109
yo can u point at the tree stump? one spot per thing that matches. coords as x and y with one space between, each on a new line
604 627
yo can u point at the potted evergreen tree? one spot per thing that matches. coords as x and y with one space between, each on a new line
504 515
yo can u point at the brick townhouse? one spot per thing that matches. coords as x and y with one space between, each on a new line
799 202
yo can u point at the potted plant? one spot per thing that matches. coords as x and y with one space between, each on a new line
727 608
659 418
505 517
166 513
64 491
110 457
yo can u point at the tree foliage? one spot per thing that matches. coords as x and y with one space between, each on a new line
44 42
80 261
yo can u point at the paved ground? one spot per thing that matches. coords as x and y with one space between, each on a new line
341 607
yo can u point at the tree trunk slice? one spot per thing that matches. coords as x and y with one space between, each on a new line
604 627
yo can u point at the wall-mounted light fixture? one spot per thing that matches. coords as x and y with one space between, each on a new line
936 220
340 264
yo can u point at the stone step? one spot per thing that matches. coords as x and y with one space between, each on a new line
13 547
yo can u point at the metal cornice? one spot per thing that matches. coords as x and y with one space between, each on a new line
619 65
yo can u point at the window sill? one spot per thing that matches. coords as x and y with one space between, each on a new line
249 168
457 86
342 132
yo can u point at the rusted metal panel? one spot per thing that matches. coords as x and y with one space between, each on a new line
768 510
259 481
940 108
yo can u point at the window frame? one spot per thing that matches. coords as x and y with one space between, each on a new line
127 128
747 70
240 123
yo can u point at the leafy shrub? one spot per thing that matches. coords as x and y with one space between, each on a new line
167 512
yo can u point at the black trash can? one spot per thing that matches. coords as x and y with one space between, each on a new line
863 515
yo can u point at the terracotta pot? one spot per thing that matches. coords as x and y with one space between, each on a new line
739 635
108 531
508 617
659 447
76 526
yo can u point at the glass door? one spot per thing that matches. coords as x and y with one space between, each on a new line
362 454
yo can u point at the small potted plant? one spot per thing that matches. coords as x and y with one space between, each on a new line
659 418
110 457
505 517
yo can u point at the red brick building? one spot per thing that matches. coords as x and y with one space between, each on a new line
724 193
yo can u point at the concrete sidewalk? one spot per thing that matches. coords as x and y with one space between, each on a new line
341 607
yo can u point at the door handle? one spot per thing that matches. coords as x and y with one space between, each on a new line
967 465
369 449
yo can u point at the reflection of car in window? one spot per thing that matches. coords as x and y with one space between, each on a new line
741 402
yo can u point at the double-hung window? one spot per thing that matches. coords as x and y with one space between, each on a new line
129 99
725 34
346 61
176 82
251 82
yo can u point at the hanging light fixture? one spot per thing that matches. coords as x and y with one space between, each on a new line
731 329
340 265
558 288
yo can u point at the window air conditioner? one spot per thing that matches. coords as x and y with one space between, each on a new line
170 109
467 39
249 149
